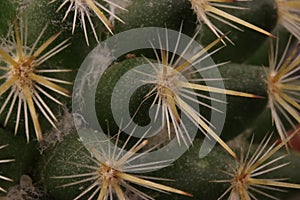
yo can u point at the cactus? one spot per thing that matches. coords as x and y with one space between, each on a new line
186 116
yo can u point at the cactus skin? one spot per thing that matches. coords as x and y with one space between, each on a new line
191 174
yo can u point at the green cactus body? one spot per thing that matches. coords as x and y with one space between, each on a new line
158 13
236 79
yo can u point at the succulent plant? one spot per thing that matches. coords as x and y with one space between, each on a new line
214 77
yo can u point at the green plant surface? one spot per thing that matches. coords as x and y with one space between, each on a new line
244 72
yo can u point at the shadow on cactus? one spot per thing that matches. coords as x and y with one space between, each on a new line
5 161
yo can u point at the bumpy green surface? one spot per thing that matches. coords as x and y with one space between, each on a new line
105 89
242 111
190 173
10 11
159 13
54 163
